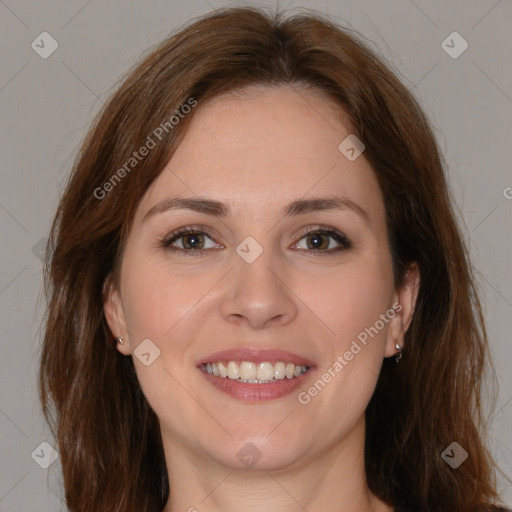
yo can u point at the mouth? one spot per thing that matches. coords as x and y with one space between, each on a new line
254 375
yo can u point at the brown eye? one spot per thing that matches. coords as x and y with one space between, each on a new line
193 241
320 241
189 241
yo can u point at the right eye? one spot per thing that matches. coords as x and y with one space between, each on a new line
191 239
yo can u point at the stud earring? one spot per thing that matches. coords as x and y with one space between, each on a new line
119 340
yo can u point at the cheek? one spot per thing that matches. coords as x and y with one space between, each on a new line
161 307
349 300
353 346
157 299
351 358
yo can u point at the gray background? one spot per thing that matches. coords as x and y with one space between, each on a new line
47 104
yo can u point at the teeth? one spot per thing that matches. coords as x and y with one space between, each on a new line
233 370
247 371
223 371
265 371
279 370
255 373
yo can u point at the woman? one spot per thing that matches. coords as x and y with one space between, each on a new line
260 220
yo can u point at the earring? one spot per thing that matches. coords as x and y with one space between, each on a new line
119 339
399 352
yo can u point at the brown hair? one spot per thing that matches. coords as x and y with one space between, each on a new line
108 436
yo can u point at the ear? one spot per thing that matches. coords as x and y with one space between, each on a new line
404 302
114 314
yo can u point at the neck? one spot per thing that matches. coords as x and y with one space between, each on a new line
334 480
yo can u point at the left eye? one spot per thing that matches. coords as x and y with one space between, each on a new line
320 240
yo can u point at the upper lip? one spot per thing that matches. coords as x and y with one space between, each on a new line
256 355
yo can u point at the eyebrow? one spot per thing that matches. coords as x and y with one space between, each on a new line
293 209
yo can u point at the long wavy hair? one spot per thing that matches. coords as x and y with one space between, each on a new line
108 437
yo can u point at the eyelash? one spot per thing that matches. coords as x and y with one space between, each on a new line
344 242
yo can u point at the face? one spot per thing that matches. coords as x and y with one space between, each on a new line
269 280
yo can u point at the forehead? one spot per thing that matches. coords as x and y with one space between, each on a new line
265 145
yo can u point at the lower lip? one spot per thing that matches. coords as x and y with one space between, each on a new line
256 392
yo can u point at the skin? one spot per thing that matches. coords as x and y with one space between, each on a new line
256 152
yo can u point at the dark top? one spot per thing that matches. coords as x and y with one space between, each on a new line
487 509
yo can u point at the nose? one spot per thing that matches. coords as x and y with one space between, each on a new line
258 293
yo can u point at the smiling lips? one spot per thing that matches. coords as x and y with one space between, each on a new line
255 374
